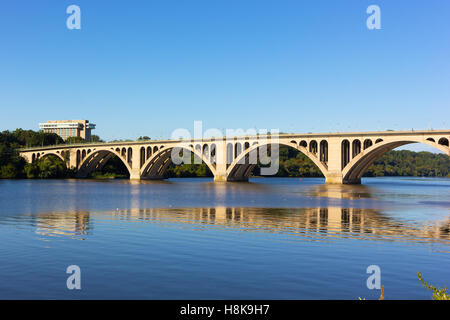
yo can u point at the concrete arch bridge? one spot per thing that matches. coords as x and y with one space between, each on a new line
342 157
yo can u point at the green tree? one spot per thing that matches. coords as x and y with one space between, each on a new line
31 170
49 167
11 164
96 138
114 168
9 171
409 163
75 140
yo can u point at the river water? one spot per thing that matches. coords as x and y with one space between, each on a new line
271 238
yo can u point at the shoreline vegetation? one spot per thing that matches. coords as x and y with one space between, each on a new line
438 293
293 163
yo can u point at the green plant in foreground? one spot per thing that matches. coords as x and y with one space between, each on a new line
438 293
381 295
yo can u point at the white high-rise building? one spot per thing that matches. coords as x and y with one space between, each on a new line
69 128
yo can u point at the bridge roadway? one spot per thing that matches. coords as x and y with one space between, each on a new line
341 157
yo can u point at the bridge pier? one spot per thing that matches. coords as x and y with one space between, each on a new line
337 178
334 178
220 174
73 163
220 178
135 174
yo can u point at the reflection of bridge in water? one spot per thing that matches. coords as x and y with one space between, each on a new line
71 224
342 191
315 224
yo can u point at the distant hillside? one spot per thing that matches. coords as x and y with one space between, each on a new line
393 163
410 163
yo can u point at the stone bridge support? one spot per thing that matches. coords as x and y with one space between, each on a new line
334 164
135 173
73 159
221 163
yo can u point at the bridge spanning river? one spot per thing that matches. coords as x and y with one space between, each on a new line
341 157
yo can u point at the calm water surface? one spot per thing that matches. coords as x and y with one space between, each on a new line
271 238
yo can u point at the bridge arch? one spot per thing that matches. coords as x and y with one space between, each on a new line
130 156
230 153
96 161
39 156
206 152
240 170
212 153
237 149
155 167
354 170
443 141
313 146
324 151
356 147
345 152
367 143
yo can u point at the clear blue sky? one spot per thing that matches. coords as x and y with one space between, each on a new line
149 67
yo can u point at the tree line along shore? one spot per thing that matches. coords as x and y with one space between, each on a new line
292 162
